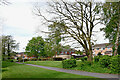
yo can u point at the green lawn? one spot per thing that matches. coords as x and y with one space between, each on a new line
94 68
57 64
14 70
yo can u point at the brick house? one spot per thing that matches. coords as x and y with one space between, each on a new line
65 53
104 49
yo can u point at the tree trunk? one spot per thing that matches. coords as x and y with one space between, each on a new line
116 42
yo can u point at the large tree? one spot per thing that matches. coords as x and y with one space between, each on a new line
111 18
77 20
8 46
36 47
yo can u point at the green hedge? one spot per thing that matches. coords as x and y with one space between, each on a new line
10 60
84 59
96 58
105 61
69 63
115 64
57 58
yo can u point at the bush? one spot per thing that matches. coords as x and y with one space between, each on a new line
34 59
104 61
115 64
96 58
81 65
57 58
88 63
19 59
77 58
84 59
72 57
10 60
69 63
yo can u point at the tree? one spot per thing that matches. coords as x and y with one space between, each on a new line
111 18
36 47
48 49
55 36
8 46
76 19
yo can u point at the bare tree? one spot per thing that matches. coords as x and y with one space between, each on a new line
77 19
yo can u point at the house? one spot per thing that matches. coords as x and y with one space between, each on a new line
65 53
104 49
21 54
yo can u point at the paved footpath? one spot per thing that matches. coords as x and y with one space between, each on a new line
98 75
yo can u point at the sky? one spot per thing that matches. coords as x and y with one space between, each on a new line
17 19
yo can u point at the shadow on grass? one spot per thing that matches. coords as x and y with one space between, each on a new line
6 64
4 69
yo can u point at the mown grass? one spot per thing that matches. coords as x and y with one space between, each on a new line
93 68
57 64
14 70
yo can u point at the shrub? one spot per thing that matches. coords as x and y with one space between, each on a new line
81 65
99 54
88 63
77 58
84 59
19 59
96 58
57 58
10 60
72 57
115 64
104 61
26 60
69 63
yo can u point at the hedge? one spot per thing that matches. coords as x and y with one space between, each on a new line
96 58
57 58
84 59
115 64
69 63
105 61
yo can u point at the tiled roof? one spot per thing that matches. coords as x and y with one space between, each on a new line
103 45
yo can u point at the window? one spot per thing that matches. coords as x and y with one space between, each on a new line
97 48
102 48
61 53
108 48
65 52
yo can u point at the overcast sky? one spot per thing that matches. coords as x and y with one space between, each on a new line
19 21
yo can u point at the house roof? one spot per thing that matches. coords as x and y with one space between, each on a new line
68 49
103 45
20 53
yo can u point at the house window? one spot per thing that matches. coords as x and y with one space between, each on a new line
108 48
61 53
65 52
97 48
102 48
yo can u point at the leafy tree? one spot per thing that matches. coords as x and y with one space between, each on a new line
76 19
54 37
111 18
35 47
8 46
48 49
